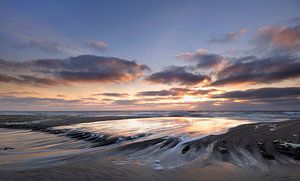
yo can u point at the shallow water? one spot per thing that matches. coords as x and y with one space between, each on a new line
159 126
250 115
123 140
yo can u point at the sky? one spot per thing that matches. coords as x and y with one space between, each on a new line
149 55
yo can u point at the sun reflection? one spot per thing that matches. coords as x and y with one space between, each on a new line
211 125
239 100
161 126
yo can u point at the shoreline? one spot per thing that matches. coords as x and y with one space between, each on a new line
262 150
37 122
263 137
267 142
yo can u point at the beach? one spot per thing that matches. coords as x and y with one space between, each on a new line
156 90
148 148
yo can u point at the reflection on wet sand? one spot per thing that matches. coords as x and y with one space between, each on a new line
164 147
28 146
161 126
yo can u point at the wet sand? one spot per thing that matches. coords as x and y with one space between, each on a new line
258 151
106 170
35 122
267 142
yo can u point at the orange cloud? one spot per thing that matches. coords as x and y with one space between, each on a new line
286 37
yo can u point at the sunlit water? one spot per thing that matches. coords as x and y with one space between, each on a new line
30 148
187 127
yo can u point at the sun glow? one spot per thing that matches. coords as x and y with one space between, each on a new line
187 98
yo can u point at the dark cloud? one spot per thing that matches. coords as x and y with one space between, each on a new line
28 79
203 59
273 98
201 92
97 44
5 78
228 37
259 70
84 68
178 75
112 94
176 92
262 93
279 60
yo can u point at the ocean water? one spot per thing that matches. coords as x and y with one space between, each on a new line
155 138
252 115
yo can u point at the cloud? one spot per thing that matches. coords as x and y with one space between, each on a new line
97 44
10 93
36 103
176 92
112 94
28 79
107 100
26 33
272 98
84 68
35 100
262 93
228 37
279 45
126 102
266 105
48 46
164 92
279 37
259 70
203 59
88 99
178 75
291 21
144 101
61 95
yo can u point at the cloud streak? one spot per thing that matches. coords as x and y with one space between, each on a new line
48 46
176 92
97 44
228 37
112 94
262 93
35 100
